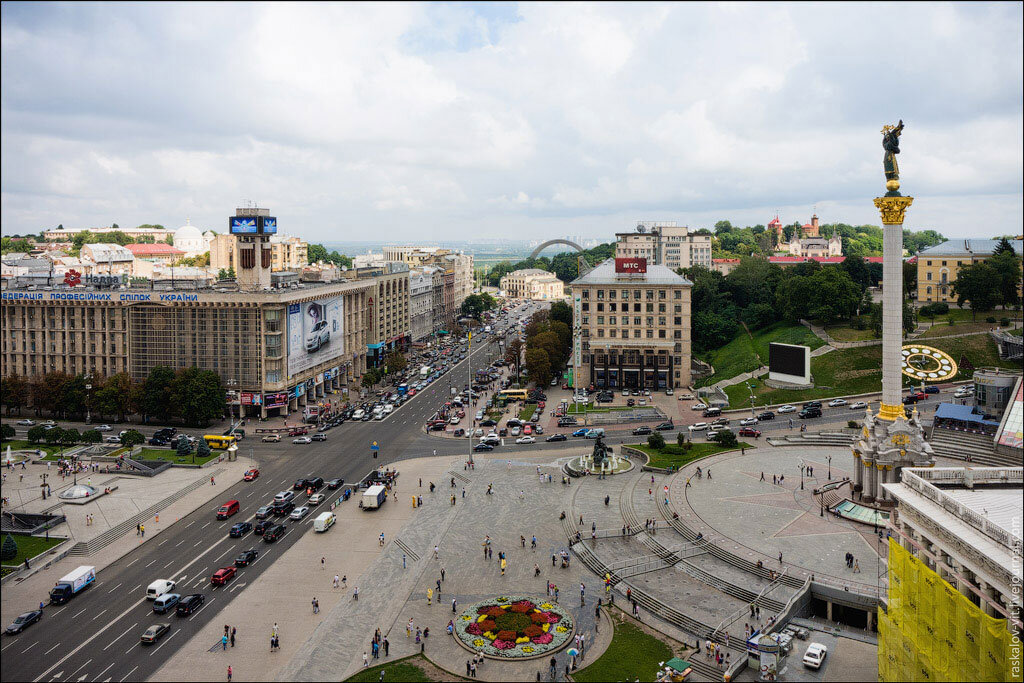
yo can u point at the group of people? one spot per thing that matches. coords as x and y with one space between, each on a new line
852 563
716 652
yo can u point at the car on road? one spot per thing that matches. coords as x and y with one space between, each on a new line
492 439
808 413
720 421
931 389
699 406
154 633
158 588
240 529
298 431
300 484
526 440
859 405
252 475
282 496
157 441
262 526
302 439
23 621
223 575
246 557
165 603
282 508
642 430
113 439
556 437
299 512
962 392
26 423
698 427
228 509
595 433
581 432
766 415
100 428
264 511
747 421
665 426
316 483
815 655
271 438
189 604
275 533
750 431
787 409
483 447
316 499
836 402
335 484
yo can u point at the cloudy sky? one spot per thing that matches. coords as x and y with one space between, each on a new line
445 121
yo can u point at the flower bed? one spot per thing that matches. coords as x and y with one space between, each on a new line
511 626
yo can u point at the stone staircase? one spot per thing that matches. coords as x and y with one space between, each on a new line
113 533
958 445
837 439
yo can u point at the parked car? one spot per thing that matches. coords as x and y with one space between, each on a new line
23 621
154 633
641 431
859 405
240 529
836 402
271 438
665 426
766 415
815 655
699 406
787 409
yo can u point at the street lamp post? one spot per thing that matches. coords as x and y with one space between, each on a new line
802 477
88 391
830 468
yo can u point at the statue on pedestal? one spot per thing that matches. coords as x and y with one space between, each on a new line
891 145
600 453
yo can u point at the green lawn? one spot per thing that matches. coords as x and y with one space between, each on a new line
632 655
29 546
172 455
527 412
581 408
746 353
21 444
962 327
398 670
844 372
964 315
674 456
848 332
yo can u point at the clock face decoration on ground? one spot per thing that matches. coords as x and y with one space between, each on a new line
927 364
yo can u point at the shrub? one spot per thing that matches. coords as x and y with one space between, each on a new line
853 424
726 438
1005 322
656 441
990 319
951 321
36 434
9 549
8 431
681 438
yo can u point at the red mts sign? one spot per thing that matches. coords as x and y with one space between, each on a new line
630 265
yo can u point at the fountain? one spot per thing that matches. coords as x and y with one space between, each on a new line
602 461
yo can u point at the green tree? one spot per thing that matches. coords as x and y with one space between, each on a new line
155 397
9 549
395 361
726 438
876 320
1004 247
202 450
977 285
14 392
53 436
723 226
538 366
184 448
91 436
561 312
370 377
36 434
1005 265
69 436
711 330
134 437
118 395
656 441
474 305
198 396
909 277
7 431
316 253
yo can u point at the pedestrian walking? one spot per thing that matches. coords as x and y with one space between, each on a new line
224 642
230 672
403 560
233 632
336 581
387 646
366 660
583 593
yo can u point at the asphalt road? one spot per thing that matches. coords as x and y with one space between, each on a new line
95 636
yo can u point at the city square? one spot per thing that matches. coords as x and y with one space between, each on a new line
400 420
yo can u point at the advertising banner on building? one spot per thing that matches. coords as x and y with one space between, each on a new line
251 399
315 333
630 265
300 390
276 400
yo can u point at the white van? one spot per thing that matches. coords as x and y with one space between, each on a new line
158 588
324 522
358 415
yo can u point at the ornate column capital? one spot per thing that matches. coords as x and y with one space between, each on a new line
893 209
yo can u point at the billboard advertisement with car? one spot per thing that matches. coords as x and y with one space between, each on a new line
315 333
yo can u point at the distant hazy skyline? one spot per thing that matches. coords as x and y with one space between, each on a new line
411 122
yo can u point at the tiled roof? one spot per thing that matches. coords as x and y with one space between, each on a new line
158 249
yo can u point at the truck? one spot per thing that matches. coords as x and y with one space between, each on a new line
72 584
424 372
373 497
324 522
487 328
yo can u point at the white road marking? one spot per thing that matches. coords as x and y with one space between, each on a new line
206 525
79 614
132 562
99 615
168 564
8 645
201 608
121 636
166 638
114 589
80 668
30 647
137 588
223 554
129 675
105 670
52 649
151 563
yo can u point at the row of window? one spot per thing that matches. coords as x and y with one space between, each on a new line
637 294
649 334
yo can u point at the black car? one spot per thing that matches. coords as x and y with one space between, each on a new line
909 400
640 431
165 432
240 529
23 621
335 484
316 483
567 422
488 423
630 403
282 508
557 437
810 412
158 442
155 633
262 526
483 447
246 558
665 426
275 533
766 415
813 404
932 389
299 484
190 603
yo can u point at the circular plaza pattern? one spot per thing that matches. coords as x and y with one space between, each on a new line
513 627
927 364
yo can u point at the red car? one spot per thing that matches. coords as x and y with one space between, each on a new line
252 475
750 431
222 576
302 431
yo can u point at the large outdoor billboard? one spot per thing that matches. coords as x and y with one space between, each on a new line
315 333
630 265
789 363
242 225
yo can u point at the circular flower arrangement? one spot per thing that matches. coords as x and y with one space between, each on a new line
513 626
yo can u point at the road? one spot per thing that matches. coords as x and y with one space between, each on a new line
95 636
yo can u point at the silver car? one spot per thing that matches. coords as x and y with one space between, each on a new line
299 512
